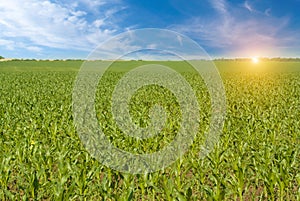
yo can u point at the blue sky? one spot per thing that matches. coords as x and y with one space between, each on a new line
72 29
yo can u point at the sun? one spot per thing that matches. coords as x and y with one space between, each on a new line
255 60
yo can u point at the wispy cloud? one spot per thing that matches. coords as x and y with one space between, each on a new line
248 6
227 31
267 12
219 5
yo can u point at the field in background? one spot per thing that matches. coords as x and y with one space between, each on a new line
222 65
257 157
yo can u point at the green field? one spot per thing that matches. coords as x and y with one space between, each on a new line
257 157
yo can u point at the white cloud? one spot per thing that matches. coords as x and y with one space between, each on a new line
98 23
12 45
92 6
34 48
8 44
52 24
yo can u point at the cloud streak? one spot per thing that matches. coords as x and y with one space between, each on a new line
248 6
219 5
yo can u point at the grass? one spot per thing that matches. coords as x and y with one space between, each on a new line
257 157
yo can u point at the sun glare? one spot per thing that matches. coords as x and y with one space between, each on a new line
255 60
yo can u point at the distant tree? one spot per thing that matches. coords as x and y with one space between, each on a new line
1 57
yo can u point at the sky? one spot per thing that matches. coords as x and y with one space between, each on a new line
53 29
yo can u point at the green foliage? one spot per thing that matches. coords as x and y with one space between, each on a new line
1 57
42 157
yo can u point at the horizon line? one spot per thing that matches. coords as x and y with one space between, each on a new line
212 59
